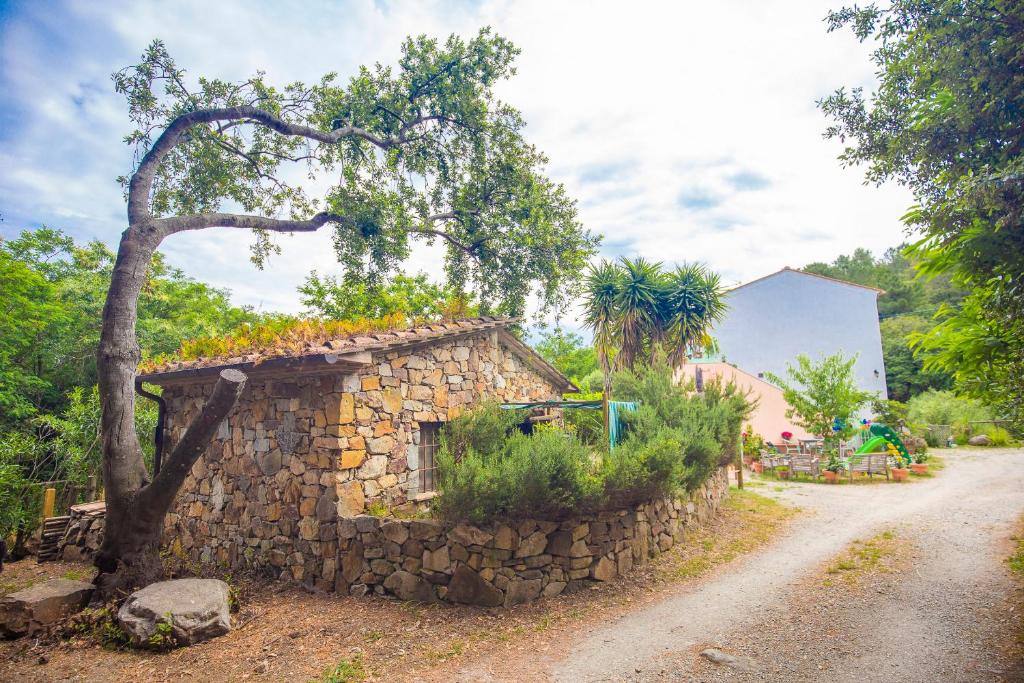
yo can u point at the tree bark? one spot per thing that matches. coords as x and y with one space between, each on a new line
136 507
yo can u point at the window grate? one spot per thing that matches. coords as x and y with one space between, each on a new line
430 442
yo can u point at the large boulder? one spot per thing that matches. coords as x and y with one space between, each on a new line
34 609
195 609
980 440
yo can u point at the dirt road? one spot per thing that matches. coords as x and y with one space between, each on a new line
938 623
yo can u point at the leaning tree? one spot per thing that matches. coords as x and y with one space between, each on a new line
415 154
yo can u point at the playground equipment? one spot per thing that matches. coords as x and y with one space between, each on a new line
881 440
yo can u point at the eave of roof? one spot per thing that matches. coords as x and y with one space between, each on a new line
804 272
350 355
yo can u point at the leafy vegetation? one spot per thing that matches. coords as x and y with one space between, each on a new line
637 311
822 395
488 470
280 336
412 297
945 122
945 408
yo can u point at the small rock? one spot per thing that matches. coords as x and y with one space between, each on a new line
716 656
980 440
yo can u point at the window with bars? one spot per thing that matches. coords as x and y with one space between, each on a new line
430 442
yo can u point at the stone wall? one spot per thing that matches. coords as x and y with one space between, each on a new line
425 560
299 452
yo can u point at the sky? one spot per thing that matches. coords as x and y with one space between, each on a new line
686 131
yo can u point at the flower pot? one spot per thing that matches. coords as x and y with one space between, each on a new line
758 467
919 468
830 476
748 461
783 474
900 474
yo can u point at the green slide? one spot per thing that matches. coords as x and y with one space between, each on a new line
876 444
883 435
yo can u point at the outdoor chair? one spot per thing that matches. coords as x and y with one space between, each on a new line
871 463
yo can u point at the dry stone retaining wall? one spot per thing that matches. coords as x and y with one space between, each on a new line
425 560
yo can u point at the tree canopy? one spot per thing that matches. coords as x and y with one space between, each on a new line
822 394
411 296
945 121
422 151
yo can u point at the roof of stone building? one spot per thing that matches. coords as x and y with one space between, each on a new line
356 351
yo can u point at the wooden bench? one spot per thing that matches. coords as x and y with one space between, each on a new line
870 463
808 464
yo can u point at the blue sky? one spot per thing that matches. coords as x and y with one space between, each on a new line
687 131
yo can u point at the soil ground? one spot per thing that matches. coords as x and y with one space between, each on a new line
893 582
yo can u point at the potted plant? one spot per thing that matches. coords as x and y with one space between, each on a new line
755 462
920 464
782 471
833 468
900 472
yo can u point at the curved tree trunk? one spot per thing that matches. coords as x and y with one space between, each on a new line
136 507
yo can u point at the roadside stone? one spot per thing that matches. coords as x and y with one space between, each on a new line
33 609
603 570
717 656
469 587
195 609
407 586
522 591
465 534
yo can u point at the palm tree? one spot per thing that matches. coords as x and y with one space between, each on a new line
637 309
634 307
602 288
692 302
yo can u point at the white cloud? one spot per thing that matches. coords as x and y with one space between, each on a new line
687 132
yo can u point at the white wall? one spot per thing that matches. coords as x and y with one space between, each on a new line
771 321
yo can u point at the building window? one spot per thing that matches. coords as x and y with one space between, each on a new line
430 442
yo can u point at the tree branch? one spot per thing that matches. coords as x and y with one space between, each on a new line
142 180
160 493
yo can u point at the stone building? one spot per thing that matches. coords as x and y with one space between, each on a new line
331 431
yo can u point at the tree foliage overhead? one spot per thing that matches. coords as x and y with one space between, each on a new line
411 296
423 150
53 297
945 122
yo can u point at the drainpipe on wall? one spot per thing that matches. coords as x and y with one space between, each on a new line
158 433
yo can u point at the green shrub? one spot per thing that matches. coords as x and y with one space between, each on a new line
997 436
546 475
945 408
675 439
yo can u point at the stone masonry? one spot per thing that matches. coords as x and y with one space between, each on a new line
504 565
302 450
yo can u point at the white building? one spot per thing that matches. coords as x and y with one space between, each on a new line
777 317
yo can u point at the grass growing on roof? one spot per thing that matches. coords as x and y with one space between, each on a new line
279 336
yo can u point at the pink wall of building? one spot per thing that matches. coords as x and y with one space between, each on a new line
769 418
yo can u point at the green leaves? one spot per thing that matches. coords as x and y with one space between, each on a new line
821 393
945 121
638 310
422 151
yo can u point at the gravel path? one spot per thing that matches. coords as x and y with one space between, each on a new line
939 624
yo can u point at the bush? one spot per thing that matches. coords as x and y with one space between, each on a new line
945 408
672 442
546 475
997 436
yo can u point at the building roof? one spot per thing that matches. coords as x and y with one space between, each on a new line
804 272
349 354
